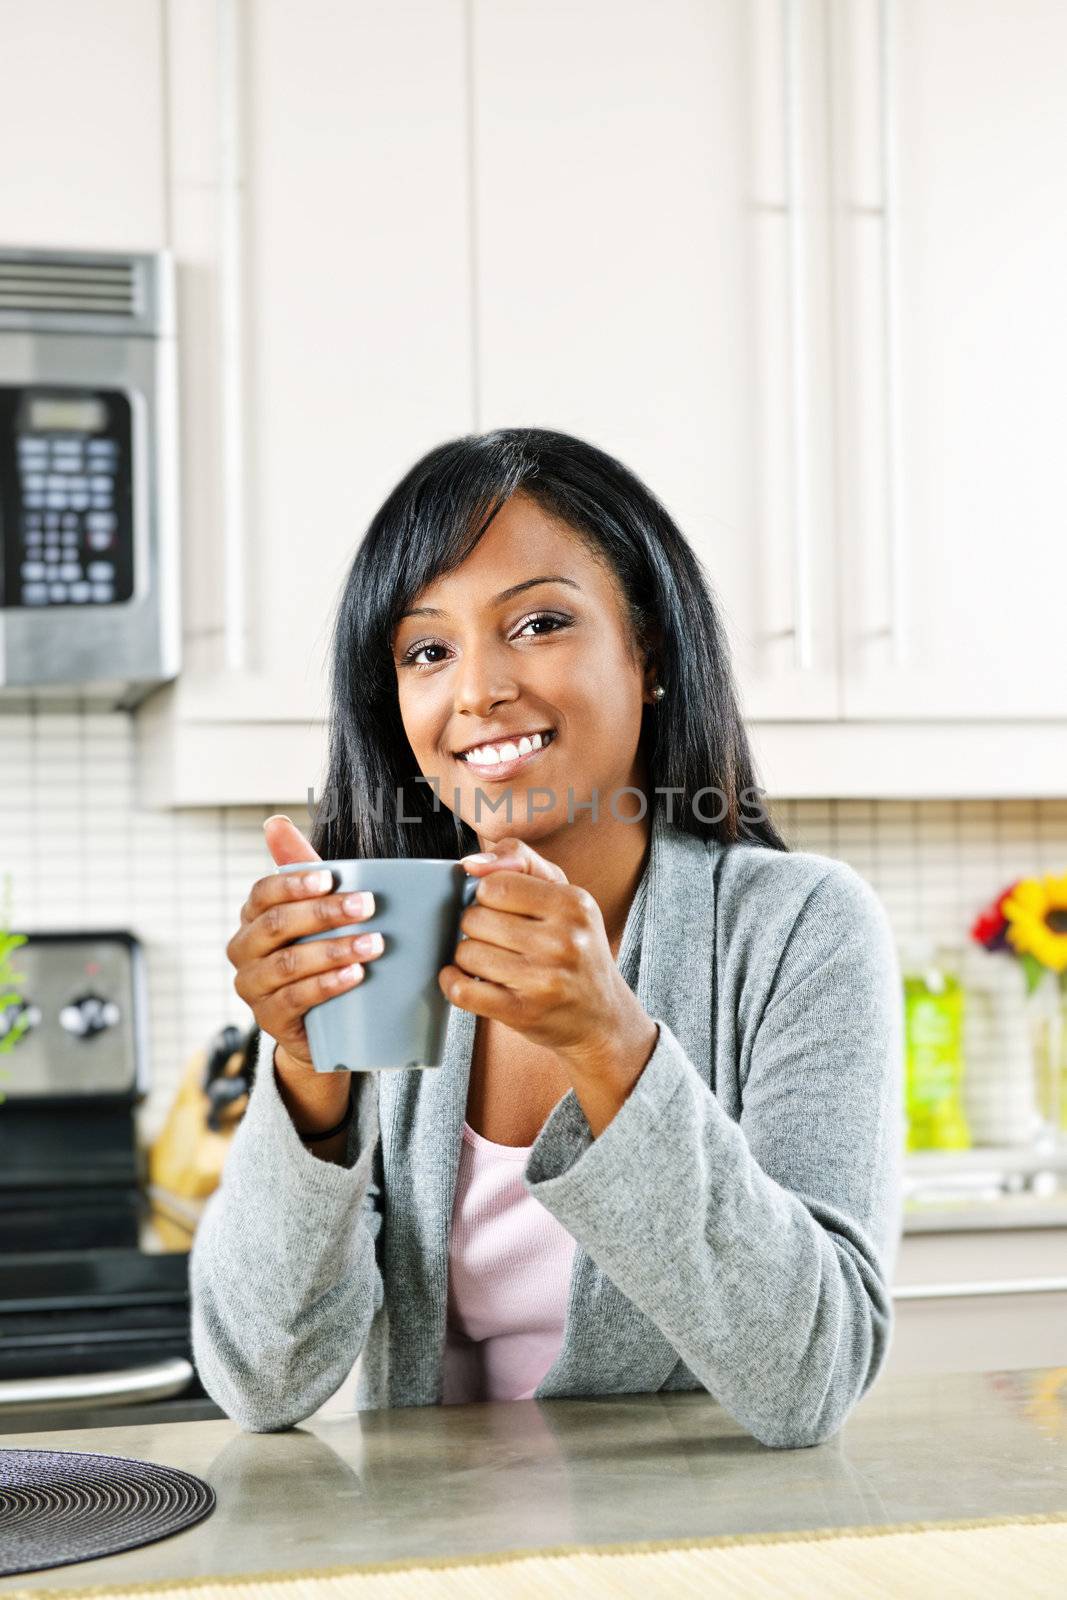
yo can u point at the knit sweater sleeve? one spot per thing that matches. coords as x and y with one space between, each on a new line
762 1248
283 1274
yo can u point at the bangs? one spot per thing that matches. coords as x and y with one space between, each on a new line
442 517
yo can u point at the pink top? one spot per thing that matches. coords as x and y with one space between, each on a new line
509 1274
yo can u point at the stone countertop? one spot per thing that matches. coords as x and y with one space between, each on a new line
458 1480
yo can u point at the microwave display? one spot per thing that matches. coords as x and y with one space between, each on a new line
66 501
52 413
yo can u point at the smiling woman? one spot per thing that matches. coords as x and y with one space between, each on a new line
512 582
663 1151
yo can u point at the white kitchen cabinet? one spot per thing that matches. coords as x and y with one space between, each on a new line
357 294
1014 1313
666 228
82 125
320 191
829 337
950 216
641 283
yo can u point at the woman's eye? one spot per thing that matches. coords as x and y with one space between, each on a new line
545 616
409 658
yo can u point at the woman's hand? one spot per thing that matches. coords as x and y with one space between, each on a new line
280 981
537 958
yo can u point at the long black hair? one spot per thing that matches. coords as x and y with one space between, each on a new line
693 739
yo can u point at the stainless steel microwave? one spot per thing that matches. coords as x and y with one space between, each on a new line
89 559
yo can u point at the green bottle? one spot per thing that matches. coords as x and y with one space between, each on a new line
933 1044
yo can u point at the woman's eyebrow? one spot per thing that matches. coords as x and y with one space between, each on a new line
505 594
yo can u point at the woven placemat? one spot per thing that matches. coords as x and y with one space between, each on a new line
59 1506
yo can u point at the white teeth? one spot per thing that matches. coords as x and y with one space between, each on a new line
488 755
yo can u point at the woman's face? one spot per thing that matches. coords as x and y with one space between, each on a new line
477 665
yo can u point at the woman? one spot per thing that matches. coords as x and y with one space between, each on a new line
663 1151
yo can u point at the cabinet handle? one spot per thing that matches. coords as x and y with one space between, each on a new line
797 277
887 93
943 1291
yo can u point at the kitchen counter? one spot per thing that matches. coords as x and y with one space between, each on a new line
945 1192
979 1189
457 1480
927 1212
964 1213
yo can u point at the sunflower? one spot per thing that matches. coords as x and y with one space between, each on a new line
1036 913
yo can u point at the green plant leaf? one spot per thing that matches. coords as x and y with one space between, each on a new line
11 979
1033 969
10 1040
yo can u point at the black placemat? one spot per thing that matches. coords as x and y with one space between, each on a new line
59 1506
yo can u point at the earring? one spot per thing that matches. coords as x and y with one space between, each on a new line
658 692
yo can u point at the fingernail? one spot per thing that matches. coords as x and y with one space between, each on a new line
483 855
360 904
316 880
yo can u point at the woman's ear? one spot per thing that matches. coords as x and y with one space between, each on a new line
651 656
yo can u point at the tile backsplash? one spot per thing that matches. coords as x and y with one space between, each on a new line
80 853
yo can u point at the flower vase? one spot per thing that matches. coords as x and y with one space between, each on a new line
1048 1032
999 1083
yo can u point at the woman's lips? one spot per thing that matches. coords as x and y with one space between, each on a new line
504 769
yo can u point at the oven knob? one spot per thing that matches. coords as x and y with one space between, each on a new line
21 1011
89 1014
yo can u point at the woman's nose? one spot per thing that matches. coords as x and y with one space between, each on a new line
481 683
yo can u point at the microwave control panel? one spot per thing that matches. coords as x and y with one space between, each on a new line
66 496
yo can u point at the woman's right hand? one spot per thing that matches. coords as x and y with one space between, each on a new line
279 980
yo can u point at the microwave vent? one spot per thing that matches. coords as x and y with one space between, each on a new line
91 289
55 291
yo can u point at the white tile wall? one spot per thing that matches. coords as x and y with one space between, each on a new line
80 853
934 863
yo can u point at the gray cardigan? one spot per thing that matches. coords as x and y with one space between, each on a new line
736 1222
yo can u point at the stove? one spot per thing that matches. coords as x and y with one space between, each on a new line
93 1326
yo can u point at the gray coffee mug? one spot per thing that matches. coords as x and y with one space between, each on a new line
397 1015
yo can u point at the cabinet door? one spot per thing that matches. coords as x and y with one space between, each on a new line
345 353
82 125
650 267
358 291
951 221
979 1301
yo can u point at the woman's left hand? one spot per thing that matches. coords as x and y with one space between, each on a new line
539 947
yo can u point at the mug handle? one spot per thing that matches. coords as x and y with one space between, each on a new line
466 898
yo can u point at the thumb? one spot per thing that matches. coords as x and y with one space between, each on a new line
286 843
516 856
